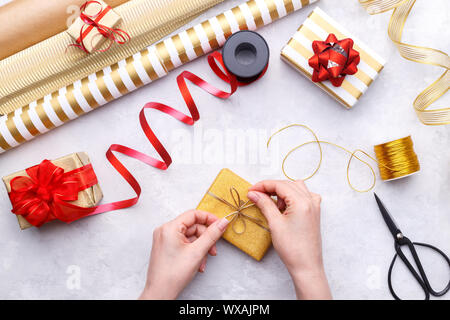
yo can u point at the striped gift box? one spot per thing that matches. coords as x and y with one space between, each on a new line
318 26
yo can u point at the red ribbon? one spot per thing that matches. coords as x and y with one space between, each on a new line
40 202
42 196
333 59
93 21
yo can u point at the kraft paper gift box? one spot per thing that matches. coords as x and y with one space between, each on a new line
102 14
255 238
86 198
299 50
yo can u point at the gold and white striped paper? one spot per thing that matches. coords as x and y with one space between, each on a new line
142 68
317 27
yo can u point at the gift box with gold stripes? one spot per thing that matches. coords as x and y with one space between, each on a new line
318 27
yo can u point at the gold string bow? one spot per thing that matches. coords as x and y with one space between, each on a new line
238 206
424 55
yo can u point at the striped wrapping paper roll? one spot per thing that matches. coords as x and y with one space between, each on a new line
133 72
49 65
317 27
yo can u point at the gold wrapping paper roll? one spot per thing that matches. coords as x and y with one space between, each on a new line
86 198
142 68
27 76
254 240
27 22
317 27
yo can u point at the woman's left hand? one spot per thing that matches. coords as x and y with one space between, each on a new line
180 249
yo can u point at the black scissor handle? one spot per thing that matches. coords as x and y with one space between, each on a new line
425 279
422 278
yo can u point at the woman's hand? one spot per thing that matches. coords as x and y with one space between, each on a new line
180 248
294 223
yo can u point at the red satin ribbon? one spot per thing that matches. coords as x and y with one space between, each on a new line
92 21
216 63
333 59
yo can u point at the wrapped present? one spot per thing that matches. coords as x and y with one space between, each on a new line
94 25
248 229
61 189
332 58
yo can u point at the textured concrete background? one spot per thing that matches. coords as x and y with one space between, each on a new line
109 253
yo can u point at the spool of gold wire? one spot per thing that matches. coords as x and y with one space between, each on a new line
395 159
398 155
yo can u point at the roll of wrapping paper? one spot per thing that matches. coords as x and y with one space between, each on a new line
401 10
49 65
133 72
27 22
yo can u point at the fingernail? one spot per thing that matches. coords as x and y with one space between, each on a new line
222 224
254 196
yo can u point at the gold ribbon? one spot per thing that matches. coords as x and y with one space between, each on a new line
239 205
418 54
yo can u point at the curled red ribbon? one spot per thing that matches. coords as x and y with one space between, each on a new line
93 21
59 210
333 59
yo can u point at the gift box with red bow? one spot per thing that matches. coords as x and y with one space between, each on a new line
336 61
94 25
63 189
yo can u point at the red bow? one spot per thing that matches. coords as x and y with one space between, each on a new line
43 196
333 59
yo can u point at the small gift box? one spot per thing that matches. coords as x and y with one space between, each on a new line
248 229
60 189
96 21
332 58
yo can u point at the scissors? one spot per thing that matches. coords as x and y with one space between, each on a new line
401 240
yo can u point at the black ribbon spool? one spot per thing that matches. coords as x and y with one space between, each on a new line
246 55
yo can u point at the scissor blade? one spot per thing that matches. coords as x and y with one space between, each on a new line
387 218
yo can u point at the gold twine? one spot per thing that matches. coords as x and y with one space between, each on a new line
395 159
239 205
418 54
46 67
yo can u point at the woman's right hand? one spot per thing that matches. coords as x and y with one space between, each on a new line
294 223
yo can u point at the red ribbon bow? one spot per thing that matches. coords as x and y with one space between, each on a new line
42 196
333 59
92 21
